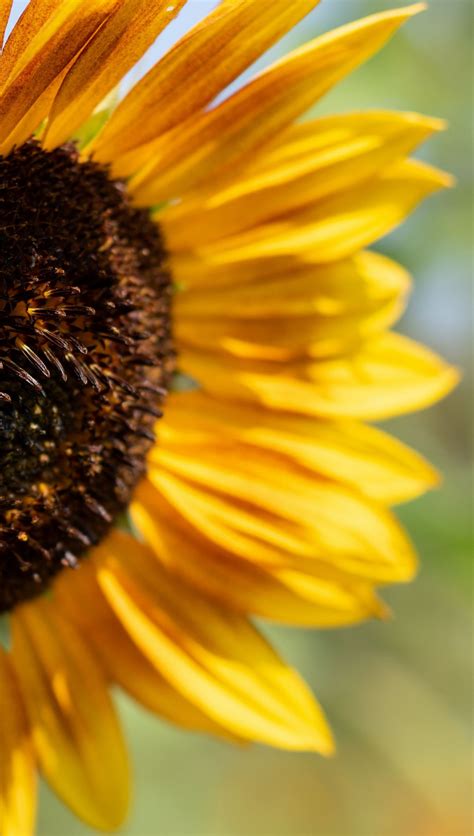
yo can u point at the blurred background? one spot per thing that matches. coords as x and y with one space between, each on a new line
397 694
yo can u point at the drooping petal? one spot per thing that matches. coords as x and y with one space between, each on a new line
230 134
17 767
76 733
215 658
113 50
198 67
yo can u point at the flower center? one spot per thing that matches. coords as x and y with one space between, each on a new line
85 359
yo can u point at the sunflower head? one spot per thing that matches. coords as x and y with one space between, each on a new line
85 354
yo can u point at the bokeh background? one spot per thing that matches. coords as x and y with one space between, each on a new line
397 694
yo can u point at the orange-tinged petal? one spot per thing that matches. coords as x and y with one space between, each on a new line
75 728
313 161
19 48
17 768
113 50
58 42
230 134
5 10
21 42
215 658
32 120
198 67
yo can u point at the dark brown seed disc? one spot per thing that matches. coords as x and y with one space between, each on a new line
85 359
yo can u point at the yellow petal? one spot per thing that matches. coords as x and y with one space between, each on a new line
310 518
345 451
311 311
75 729
115 48
339 226
345 287
17 770
121 659
275 338
312 161
194 272
198 67
299 337
230 134
257 538
388 376
215 658
282 595
65 32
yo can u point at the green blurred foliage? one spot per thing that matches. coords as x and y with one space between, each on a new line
397 694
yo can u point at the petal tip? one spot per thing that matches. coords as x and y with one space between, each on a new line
411 569
451 378
381 610
446 180
437 178
433 478
439 124
324 743
434 124
415 9
331 749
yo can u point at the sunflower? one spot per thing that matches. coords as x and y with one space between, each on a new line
167 252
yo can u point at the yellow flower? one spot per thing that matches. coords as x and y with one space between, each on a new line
216 250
